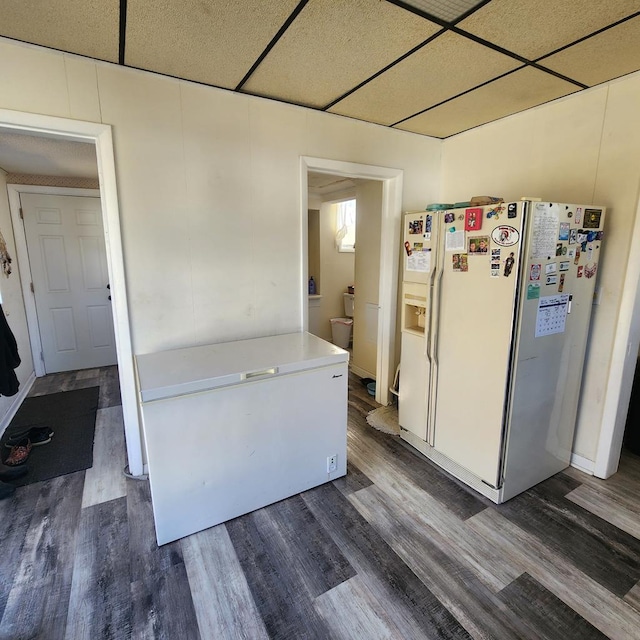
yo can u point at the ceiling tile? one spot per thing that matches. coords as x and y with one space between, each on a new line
445 67
608 55
86 27
211 42
449 10
334 45
518 91
533 28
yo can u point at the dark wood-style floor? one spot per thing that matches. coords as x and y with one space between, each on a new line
394 550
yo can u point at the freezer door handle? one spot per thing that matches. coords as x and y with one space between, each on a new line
257 374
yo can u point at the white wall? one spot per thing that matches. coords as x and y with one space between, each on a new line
367 272
208 185
12 302
583 148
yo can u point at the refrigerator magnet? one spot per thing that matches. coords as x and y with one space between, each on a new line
577 258
534 271
428 224
455 259
512 210
578 218
550 268
464 265
552 280
590 271
508 265
564 266
479 246
533 292
559 249
564 231
415 227
580 271
561 285
505 235
449 218
407 248
573 235
592 218
473 219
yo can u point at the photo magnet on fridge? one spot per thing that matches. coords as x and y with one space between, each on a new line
415 226
479 245
473 219
449 217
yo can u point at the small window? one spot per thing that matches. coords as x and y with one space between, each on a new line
346 225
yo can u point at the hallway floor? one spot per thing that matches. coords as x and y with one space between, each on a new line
397 549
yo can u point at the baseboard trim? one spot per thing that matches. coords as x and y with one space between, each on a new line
583 464
361 372
18 399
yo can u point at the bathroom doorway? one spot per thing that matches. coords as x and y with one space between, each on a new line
374 259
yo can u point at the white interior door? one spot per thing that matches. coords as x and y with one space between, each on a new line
65 240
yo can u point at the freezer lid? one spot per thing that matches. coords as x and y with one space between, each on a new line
180 371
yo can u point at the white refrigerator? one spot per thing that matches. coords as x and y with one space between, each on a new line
496 305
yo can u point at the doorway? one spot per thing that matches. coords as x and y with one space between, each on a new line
65 271
387 255
99 135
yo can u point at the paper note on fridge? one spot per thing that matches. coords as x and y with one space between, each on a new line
544 230
552 314
419 261
455 241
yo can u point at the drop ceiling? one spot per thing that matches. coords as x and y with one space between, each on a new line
432 67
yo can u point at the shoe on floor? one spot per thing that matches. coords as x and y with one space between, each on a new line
11 473
37 436
19 453
6 490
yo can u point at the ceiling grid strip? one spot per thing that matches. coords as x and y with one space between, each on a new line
123 31
384 69
483 84
587 37
289 21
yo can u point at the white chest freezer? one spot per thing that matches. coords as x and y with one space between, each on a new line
233 427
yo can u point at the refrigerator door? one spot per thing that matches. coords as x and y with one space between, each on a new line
558 284
475 299
421 230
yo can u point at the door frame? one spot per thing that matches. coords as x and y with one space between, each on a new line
389 255
624 358
24 264
99 135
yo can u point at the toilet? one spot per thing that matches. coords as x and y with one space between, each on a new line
341 328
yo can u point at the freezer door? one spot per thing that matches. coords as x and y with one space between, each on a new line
475 301
418 238
559 281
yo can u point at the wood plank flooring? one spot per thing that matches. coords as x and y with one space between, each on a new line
395 550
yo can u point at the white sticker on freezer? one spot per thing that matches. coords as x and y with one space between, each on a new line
552 314
455 241
544 230
419 261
